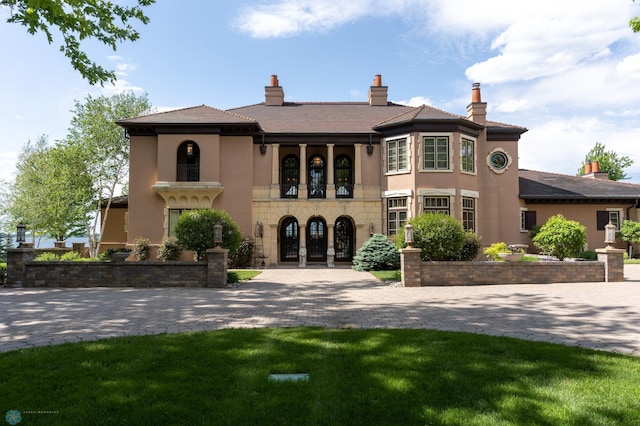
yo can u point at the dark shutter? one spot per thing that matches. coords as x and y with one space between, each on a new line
529 219
602 218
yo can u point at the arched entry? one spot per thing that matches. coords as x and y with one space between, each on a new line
188 164
317 240
289 240
343 238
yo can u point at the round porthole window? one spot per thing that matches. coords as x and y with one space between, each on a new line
498 160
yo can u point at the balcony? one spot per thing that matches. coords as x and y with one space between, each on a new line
188 173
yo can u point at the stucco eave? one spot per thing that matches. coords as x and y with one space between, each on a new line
188 195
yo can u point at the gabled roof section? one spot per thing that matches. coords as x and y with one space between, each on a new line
421 113
320 117
201 114
552 187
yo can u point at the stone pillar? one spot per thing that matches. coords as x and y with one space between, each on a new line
302 187
217 267
357 172
331 185
16 266
613 263
410 267
275 171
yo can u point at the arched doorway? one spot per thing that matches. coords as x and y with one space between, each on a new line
343 238
317 240
289 240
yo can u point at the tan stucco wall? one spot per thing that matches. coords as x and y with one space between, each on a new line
116 231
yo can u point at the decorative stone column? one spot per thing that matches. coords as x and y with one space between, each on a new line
410 267
613 259
16 266
217 267
275 171
331 185
357 172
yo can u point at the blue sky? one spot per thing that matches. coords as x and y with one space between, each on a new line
567 70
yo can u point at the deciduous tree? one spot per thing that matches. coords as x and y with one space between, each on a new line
78 21
105 150
608 161
194 231
560 237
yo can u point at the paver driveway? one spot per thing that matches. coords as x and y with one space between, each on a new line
595 315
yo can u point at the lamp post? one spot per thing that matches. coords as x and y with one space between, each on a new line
217 235
408 235
610 234
21 234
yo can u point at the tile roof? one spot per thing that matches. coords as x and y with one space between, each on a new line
201 114
320 117
552 186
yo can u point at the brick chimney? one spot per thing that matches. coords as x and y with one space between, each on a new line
592 170
477 110
273 94
378 93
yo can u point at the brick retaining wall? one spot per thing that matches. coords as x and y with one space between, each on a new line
475 273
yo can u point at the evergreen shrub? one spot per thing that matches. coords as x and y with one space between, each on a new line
169 250
142 249
376 254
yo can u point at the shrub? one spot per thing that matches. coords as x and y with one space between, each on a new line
243 255
440 236
71 256
560 237
194 231
3 273
47 257
142 249
629 231
588 255
470 248
106 255
377 253
494 250
169 249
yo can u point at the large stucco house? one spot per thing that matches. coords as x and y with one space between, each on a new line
314 180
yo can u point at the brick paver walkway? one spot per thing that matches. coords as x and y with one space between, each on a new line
595 315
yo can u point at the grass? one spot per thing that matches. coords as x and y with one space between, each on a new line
394 275
357 377
632 261
235 275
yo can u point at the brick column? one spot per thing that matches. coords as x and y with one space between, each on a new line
16 266
613 263
410 267
217 267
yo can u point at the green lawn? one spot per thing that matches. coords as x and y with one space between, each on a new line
235 275
357 377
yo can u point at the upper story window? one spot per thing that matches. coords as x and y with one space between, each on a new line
343 177
188 162
436 153
290 177
436 205
317 185
397 155
467 156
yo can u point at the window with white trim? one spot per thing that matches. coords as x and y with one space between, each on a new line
436 205
467 156
435 153
396 215
469 213
397 155
174 215
603 217
528 219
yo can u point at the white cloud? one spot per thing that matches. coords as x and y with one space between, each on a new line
416 101
629 66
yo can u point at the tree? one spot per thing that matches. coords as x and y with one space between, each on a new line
77 21
376 254
194 231
51 191
104 149
560 237
634 23
630 232
608 161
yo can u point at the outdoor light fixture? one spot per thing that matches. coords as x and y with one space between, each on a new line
217 234
408 235
259 231
21 234
263 147
189 150
609 234
370 147
371 229
317 161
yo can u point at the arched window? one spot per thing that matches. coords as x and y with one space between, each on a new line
316 240
290 177
188 164
317 183
343 177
